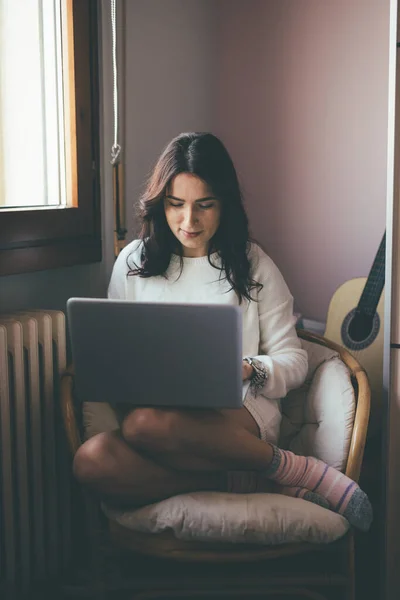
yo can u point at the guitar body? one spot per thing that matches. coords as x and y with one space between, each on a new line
367 345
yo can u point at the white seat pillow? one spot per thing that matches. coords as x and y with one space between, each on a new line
237 518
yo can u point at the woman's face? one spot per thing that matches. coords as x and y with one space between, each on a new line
193 213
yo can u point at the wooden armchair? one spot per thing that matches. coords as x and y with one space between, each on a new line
161 567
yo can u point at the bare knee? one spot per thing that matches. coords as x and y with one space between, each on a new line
94 460
152 429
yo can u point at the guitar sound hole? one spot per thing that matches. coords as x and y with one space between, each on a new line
360 327
359 330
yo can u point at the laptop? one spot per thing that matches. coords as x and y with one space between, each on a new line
156 354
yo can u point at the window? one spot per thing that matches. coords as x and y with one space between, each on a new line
49 134
33 132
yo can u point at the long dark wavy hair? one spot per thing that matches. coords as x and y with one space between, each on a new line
203 155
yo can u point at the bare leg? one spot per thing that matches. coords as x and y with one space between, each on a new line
198 439
121 476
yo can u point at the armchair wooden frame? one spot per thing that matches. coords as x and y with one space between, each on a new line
160 567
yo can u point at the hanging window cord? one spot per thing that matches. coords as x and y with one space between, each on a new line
116 148
117 166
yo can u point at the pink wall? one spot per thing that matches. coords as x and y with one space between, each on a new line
170 56
302 106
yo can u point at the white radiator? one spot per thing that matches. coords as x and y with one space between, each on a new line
35 526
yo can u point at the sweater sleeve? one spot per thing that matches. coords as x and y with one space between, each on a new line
280 348
117 285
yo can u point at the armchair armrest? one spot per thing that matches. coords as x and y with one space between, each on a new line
68 410
363 400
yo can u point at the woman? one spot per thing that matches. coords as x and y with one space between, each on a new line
194 247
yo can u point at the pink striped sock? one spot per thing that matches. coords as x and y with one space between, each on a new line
343 494
252 482
300 492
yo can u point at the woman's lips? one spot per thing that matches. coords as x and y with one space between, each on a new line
190 234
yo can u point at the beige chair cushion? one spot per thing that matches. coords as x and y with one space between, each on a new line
317 420
98 417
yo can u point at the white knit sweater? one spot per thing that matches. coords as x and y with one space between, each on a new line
268 325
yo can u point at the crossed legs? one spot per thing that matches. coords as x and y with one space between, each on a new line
160 453
164 452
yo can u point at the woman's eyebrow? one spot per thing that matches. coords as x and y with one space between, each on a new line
199 200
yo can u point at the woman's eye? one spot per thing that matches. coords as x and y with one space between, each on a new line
203 206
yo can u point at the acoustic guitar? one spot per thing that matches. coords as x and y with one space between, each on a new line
355 321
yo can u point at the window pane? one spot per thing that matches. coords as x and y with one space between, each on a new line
31 104
45 237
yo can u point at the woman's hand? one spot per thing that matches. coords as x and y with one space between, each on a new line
247 371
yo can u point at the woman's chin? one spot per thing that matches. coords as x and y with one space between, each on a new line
194 247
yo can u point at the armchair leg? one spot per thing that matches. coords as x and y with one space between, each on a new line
97 535
351 590
93 580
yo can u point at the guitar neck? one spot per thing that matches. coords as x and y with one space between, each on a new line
375 282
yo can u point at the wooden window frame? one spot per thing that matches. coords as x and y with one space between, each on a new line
46 238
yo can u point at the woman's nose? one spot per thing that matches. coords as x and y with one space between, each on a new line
190 216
